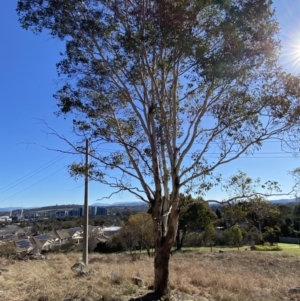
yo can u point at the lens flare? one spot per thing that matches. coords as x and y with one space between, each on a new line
290 55
287 13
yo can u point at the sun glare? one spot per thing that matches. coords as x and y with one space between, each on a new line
291 54
287 14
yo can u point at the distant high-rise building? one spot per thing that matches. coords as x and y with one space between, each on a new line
101 211
92 210
61 214
74 213
15 217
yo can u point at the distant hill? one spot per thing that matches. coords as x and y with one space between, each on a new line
7 209
55 207
290 202
120 204
212 203
284 201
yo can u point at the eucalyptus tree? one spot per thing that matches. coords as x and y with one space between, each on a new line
195 215
246 202
165 83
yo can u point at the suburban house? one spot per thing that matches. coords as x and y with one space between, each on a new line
48 241
76 234
109 231
95 231
64 236
26 243
23 246
8 237
36 245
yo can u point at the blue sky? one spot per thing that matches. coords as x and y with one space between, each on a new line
31 175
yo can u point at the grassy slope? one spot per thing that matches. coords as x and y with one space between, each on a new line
288 248
194 276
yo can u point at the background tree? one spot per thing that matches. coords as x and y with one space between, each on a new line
246 206
270 234
235 213
234 236
210 235
163 81
296 217
138 232
195 215
261 212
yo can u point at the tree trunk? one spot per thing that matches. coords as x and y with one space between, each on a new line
165 237
179 239
161 270
178 244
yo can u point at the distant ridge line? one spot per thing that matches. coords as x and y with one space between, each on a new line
126 204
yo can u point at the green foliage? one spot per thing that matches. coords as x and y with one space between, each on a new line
270 234
285 211
109 247
266 248
254 236
242 188
256 212
153 78
234 236
146 82
296 213
195 216
285 230
193 239
210 235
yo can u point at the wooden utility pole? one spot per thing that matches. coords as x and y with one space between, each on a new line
86 206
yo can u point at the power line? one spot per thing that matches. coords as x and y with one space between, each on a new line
60 157
31 174
215 155
32 185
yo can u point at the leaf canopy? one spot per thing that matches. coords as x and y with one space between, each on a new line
165 84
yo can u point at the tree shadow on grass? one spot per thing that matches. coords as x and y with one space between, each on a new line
148 297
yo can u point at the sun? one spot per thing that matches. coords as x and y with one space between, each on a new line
290 54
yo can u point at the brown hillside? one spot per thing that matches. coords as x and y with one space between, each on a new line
195 276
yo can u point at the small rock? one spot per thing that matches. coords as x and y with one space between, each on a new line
79 267
37 257
295 290
221 251
138 281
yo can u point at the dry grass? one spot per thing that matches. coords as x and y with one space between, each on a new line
194 276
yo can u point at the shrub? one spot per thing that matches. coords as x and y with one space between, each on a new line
7 250
193 240
266 248
109 247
